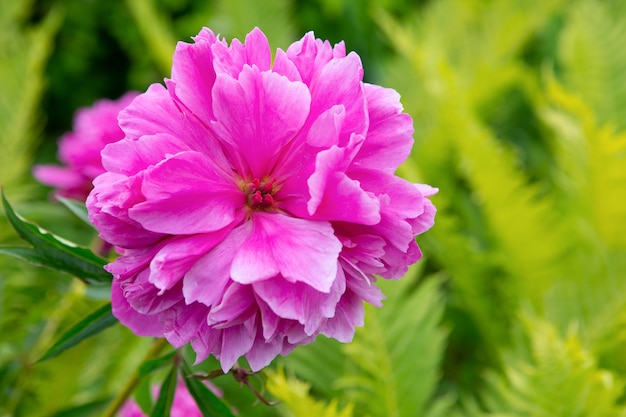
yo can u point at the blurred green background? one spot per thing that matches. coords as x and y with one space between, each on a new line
519 305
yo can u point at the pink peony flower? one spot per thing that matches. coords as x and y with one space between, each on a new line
183 405
79 150
254 201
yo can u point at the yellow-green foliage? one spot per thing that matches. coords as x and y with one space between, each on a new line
559 378
519 112
295 400
24 50
519 305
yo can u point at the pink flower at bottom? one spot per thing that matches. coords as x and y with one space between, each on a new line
253 200
183 405
79 150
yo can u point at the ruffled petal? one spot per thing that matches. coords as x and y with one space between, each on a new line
207 280
309 55
178 255
187 194
300 302
335 196
140 324
129 157
255 51
299 250
390 134
156 111
339 82
236 342
182 322
258 114
193 73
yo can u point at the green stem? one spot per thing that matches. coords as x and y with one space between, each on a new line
118 401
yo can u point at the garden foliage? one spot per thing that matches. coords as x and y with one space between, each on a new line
519 305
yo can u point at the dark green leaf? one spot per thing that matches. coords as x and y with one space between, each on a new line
89 409
166 394
77 208
91 325
143 396
149 366
55 252
207 402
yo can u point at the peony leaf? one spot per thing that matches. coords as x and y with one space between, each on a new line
207 402
90 326
143 396
166 394
77 208
89 409
55 252
150 366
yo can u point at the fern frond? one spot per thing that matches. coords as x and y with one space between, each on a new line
304 362
235 18
396 355
594 60
591 159
559 378
156 32
24 56
295 400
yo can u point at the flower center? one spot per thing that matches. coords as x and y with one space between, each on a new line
260 194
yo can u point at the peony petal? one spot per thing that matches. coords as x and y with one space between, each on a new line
300 250
324 131
108 210
236 342
156 111
70 182
140 324
258 114
263 352
237 306
404 199
182 321
309 55
284 66
300 302
129 157
426 220
390 134
178 255
205 342
193 74
257 49
187 194
206 281
146 298
339 82
335 196
350 314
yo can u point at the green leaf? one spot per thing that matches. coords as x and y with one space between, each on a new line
396 354
77 208
558 377
90 326
143 396
55 252
166 394
295 397
83 410
207 402
152 365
